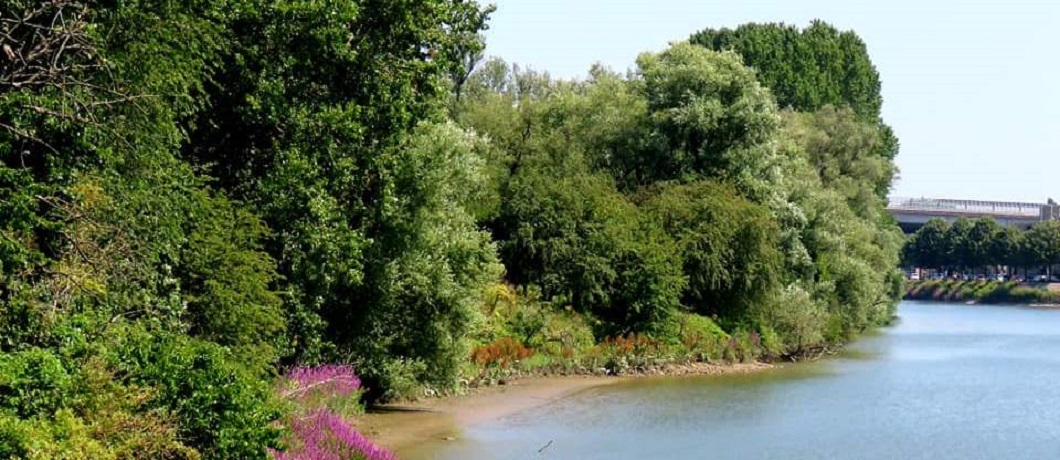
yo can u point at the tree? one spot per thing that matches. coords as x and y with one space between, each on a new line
131 293
728 246
931 246
981 242
319 115
958 244
1042 243
1007 248
807 69
842 150
581 241
810 69
711 117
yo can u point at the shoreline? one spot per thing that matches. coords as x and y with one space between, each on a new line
1045 296
400 427
1033 305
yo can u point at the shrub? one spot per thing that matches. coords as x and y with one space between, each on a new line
33 383
699 337
333 386
323 435
72 403
223 409
316 431
631 352
503 352
797 320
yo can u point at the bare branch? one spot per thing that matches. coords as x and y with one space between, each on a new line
25 135
45 44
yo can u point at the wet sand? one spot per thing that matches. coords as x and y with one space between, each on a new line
402 427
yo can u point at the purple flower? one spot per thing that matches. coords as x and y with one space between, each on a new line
317 433
323 435
330 380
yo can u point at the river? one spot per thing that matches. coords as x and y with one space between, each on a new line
948 381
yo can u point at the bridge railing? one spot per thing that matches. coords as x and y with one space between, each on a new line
1000 208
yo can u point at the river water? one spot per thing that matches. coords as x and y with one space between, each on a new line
948 381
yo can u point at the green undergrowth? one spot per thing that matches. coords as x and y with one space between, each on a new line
992 292
521 336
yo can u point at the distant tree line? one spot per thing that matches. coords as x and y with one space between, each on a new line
974 245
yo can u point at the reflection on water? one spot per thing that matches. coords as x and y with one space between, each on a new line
947 382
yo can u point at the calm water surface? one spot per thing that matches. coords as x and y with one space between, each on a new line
947 382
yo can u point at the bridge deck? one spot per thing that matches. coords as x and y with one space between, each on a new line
948 207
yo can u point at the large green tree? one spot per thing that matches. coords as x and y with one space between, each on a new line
928 247
980 244
809 69
324 116
131 293
1042 243
728 246
711 118
772 213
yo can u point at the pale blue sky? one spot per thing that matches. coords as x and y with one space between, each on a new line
969 86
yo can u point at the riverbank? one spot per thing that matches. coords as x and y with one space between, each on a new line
401 427
891 386
984 292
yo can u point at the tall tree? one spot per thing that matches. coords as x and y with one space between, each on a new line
930 245
981 242
809 69
1006 248
1042 243
325 116
958 244
711 118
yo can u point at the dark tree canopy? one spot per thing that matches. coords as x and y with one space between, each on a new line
806 69
809 69
976 244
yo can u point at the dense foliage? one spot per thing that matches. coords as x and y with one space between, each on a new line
974 245
810 69
775 219
193 191
323 398
196 195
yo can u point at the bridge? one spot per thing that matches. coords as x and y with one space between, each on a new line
912 213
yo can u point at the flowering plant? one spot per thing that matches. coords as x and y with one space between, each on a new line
317 432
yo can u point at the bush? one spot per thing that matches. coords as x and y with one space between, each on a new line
696 337
34 383
727 246
75 403
502 353
223 409
318 431
797 320
580 240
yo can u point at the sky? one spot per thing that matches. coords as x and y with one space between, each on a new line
970 87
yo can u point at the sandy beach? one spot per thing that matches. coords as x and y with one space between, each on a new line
400 427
